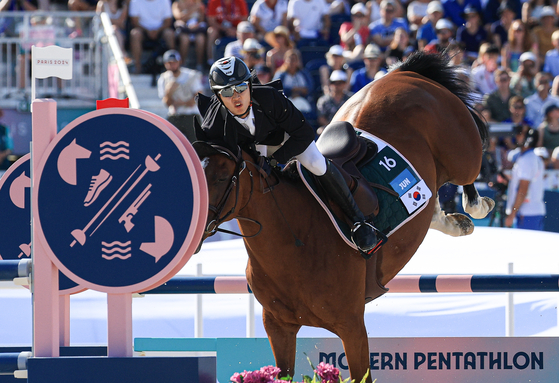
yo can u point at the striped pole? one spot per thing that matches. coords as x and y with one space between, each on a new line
14 268
400 284
10 362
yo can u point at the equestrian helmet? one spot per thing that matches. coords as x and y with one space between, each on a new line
228 71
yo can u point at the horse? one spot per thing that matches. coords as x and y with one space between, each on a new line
299 268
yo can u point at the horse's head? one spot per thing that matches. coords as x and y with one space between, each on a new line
223 170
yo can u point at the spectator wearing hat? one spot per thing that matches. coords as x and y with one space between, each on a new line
308 19
542 33
245 31
264 73
499 29
382 30
454 9
532 11
354 34
519 41
280 41
177 87
472 34
536 103
329 104
549 128
482 76
525 194
151 22
551 63
427 32
253 53
445 31
190 26
523 80
266 15
223 16
335 60
416 12
373 59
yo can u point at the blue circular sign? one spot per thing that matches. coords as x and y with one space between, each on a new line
118 201
15 203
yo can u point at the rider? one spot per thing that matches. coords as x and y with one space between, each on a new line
261 114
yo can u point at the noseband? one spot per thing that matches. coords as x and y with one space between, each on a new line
240 166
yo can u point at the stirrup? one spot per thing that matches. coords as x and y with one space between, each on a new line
381 239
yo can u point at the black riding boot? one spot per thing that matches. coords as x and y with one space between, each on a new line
362 233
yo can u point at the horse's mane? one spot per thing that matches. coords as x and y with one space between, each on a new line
437 67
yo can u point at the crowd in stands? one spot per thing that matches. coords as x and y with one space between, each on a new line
326 50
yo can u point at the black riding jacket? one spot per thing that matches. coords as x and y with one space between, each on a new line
274 115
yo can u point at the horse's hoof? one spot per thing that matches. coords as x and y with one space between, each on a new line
463 223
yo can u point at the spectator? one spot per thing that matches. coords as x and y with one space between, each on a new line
223 16
532 10
372 57
416 12
382 30
354 34
117 10
297 82
523 80
549 129
264 73
517 111
444 30
6 144
525 195
551 63
190 26
266 15
454 9
329 104
500 28
151 21
482 75
492 10
253 53
535 104
81 6
519 41
472 34
497 102
542 33
245 31
427 32
334 61
281 42
177 87
308 19
373 7
396 49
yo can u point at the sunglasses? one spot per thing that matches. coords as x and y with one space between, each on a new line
229 91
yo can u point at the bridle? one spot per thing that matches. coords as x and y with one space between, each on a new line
240 165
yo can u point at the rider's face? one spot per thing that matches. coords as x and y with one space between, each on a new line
237 104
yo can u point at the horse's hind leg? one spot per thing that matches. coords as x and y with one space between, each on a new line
455 224
476 206
356 347
283 340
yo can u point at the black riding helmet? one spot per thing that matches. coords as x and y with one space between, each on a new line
228 71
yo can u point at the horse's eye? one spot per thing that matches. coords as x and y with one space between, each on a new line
222 179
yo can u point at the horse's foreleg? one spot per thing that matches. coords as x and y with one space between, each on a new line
455 224
356 347
476 206
283 339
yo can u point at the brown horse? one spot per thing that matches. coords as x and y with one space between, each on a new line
299 269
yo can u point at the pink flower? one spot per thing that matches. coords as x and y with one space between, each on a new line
270 373
236 378
327 373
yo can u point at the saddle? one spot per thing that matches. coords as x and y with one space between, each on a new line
347 151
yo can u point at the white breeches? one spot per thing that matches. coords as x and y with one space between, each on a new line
313 160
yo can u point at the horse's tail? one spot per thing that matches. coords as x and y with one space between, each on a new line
437 67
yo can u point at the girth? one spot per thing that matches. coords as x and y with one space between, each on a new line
340 144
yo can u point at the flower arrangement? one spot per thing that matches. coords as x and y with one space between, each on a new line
323 373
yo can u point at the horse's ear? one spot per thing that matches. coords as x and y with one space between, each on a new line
204 149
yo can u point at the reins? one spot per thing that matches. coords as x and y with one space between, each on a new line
213 226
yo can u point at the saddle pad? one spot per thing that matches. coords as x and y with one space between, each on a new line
388 168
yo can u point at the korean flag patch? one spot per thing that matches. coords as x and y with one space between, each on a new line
416 196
